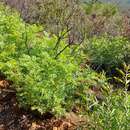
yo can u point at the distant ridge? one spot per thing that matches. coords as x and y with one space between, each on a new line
125 4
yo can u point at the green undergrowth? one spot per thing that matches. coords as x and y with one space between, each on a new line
49 80
107 51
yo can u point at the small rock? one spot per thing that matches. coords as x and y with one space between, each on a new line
2 127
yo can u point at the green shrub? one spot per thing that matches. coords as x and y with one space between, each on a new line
105 108
15 36
43 83
90 86
105 51
113 113
28 59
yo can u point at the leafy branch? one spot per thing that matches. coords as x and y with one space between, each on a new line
125 73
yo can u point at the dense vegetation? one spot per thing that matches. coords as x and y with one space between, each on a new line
69 65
